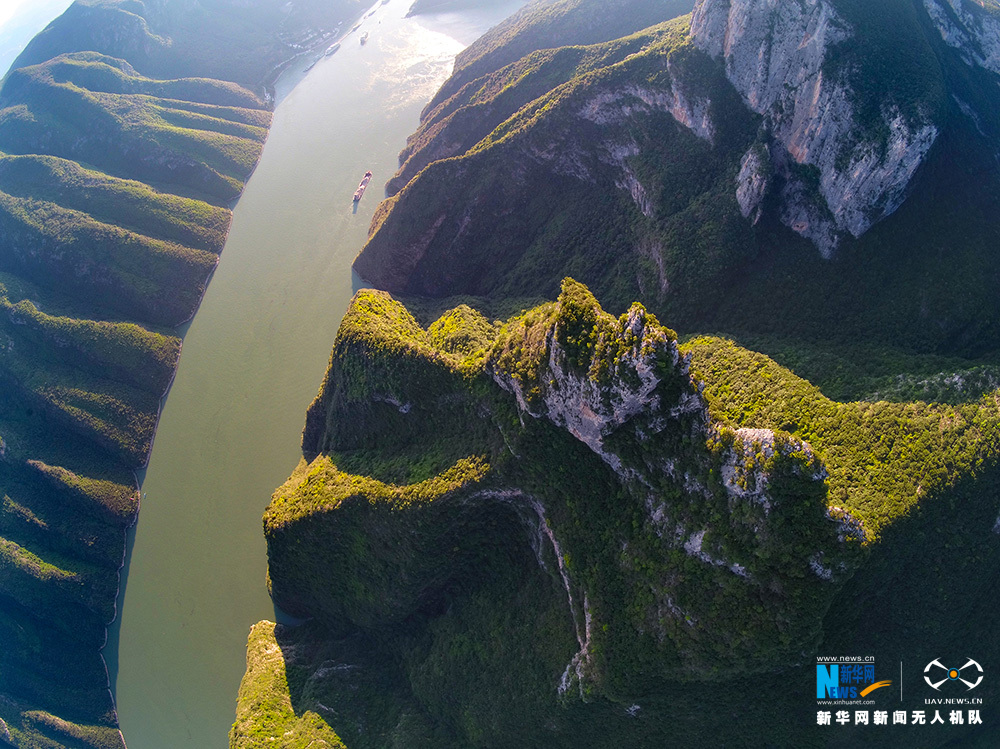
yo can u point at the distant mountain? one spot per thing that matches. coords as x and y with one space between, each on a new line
233 40
22 24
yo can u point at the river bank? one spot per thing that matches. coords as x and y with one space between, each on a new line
229 431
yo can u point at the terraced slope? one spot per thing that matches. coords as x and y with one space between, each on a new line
113 195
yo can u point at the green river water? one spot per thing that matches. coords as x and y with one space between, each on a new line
252 361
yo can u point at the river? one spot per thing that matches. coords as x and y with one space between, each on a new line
252 361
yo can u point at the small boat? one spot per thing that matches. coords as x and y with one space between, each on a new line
356 27
364 37
361 188
331 49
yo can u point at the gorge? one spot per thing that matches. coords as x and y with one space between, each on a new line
681 372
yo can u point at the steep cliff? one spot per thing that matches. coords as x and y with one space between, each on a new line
632 150
699 154
542 529
781 57
971 28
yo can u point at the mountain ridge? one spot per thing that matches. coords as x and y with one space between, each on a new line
116 184
701 511
671 270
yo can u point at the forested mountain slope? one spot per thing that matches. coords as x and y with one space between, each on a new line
818 163
567 529
570 527
116 181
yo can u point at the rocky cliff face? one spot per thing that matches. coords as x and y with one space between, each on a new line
572 511
777 55
622 388
973 28
704 523
594 144
697 154
589 411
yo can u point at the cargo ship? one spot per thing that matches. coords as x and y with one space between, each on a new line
364 37
361 188
331 49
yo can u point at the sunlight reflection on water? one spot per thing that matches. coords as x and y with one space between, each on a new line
421 57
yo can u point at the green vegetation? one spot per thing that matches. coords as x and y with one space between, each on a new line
127 130
265 704
140 356
548 25
563 161
455 125
692 547
688 523
240 42
38 729
671 244
889 58
126 203
883 458
115 187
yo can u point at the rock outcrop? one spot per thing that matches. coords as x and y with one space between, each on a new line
753 182
592 407
777 55
970 28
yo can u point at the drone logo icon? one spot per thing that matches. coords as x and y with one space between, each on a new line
971 669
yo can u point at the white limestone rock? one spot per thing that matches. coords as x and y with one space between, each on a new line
970 29
774 54
753 182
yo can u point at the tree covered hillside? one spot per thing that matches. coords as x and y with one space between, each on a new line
567 529
230 40
126 132
575 527
704 179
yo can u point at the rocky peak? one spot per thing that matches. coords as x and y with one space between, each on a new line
595 373
722 496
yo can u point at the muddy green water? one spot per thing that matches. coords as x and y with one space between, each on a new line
252 361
